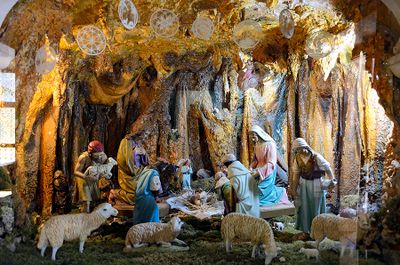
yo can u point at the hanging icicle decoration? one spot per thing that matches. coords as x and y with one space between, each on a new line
164 23
319 44
91 40
286 23
128 14
45 60
247 34
203 28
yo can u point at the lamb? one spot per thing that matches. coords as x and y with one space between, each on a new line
72 226
249 228
98 170
335 228
141 235
278 226
310 252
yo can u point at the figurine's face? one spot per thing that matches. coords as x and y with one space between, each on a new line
254 137
99 157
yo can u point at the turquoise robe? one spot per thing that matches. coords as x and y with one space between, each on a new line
245 187
146 208
184 177
269 193
310 202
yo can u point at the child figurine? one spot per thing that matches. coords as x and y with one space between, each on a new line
184 173
223 189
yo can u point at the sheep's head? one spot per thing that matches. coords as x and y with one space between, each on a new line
112 161
106 210
176 224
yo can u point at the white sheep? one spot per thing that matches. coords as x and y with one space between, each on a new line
72 226
310 252
278 226
97 170
248 228
162 233
335 228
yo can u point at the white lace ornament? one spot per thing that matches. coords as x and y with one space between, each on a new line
247 34
91 40
128 14
286 23
45 60
319 44
203 28
164 23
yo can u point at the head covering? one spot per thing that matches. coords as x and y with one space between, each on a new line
182 161
219 175
229 158
95 147
261 133
300 143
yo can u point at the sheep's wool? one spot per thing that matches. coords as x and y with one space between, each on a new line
334 227
248 228
152 232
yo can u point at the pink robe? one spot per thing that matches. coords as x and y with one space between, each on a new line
265 159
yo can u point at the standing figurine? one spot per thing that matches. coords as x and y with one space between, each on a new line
265 168
86 182
184 173
223 189
132 159
61 191
309 170
245 196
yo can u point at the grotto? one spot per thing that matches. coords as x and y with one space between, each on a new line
199 132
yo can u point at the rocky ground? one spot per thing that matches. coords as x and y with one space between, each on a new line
106 244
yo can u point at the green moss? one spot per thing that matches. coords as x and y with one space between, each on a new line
205 247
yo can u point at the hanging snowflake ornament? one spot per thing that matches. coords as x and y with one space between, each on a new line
7 54
164 23
91 40
203 28
286 23
247 34
45 60
319 44
128 14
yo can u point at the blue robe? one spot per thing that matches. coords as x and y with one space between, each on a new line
146 208
185 173
269 193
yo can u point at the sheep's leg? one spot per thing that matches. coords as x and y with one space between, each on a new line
53 254
253 253
228 245
317 243
164 244
139 245
178 241
81 244
43 250
342 249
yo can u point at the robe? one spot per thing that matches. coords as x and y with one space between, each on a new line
265 162
245 188
146 208
184 177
